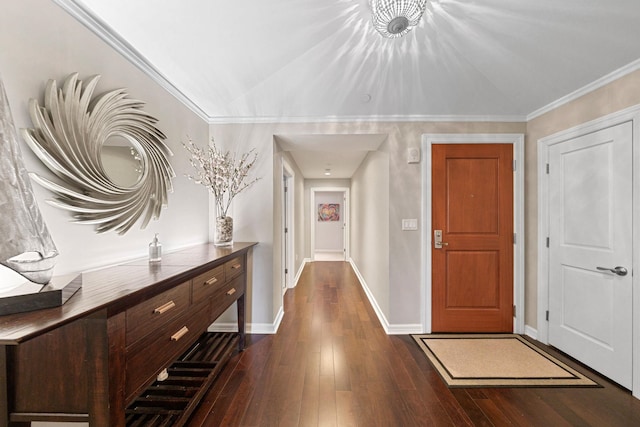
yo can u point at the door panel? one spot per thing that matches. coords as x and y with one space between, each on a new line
590 217
474 278
475 209
472 203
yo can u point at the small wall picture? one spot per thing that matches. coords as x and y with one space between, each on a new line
328 212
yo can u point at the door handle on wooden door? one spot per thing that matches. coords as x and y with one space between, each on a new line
437 239
620 271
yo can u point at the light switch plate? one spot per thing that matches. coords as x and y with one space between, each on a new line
409 224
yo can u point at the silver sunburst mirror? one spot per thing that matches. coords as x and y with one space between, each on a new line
75 135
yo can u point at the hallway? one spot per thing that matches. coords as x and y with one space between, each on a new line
331 364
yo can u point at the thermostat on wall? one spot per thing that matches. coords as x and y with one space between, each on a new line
413 155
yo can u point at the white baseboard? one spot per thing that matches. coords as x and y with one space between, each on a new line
372 299
223 327
299 272
531 332
252 328
276 324
396 329
406 329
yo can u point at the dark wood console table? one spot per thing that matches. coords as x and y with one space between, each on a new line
92 359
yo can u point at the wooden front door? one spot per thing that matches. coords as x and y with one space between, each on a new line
472 215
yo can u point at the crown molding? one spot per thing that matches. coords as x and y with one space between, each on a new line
120 45
374 118
597 84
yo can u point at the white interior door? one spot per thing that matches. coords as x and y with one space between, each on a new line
285 229
590 232
288 223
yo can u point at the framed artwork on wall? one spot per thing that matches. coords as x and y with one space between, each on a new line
328 212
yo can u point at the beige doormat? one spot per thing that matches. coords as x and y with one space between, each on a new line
496 360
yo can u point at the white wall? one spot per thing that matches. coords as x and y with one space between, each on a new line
39 41
253 213
370 226
329 235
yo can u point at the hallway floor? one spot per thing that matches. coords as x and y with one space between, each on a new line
331 364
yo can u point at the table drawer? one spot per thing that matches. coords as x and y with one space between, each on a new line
234 267
155 312
150 355
226 295
207 283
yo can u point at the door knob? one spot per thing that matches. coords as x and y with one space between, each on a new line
620 271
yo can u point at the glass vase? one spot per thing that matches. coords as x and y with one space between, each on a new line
224 231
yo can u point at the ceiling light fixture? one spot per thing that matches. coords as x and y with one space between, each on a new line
327 172
395 18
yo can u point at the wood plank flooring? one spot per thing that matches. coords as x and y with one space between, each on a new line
331 364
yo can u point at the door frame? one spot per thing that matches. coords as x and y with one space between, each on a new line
517 140
288 177
345 218
631 114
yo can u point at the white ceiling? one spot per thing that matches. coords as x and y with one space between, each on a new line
340 155
257 60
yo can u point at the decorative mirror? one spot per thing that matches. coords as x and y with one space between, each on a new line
121 161
109 158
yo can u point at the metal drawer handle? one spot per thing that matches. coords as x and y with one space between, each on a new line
164 307
231 291
211 281
236 266
620 271
182 332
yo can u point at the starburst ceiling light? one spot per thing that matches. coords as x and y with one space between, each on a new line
395 18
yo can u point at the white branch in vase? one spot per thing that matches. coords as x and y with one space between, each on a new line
222 172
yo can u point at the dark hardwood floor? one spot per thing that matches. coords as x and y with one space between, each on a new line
331 364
